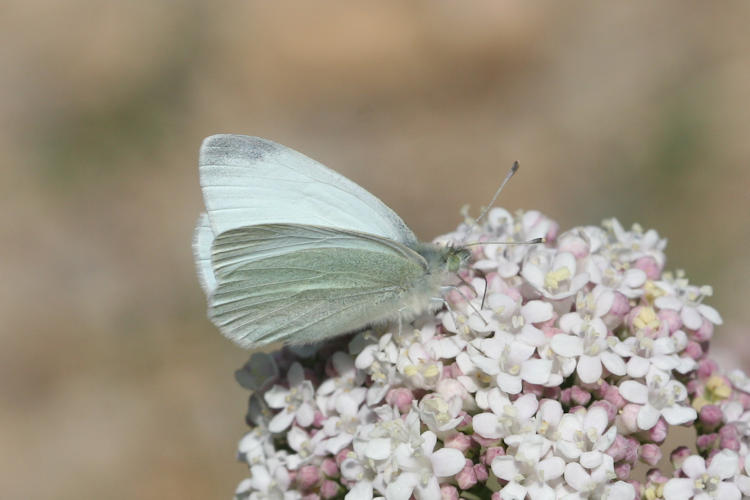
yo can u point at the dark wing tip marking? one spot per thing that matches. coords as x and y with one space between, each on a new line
237 146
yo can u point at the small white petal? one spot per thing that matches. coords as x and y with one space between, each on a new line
551 468
668 302
727 491
362 490
710 314
635 278
378 448
621 491
276 396
536 371
637 367
281 421
613 363
694 466
678 489
591 459
567 345
305 415
678 415
576 476
647 417
589 369
633 391
447 462
526 406
485 424
537 311
691 318
505 468
509 383
513 491
402 487
596 419
724 464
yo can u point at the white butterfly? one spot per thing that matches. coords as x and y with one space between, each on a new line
290 251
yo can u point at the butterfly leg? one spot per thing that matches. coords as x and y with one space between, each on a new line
447 306
468 301
400 320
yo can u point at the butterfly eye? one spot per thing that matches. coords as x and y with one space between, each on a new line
455 259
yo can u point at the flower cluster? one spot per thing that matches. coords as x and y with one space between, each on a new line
554 370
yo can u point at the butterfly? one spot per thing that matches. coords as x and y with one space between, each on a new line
290 251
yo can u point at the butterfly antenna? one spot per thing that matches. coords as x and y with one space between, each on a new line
535 241
510 173
484 294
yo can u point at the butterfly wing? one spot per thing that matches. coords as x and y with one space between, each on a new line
203 239
299 284
249 181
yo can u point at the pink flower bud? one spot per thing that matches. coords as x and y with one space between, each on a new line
623 470
694 350
536 390
319 419
618 448
658 433
612 394
706 368
710 416
631 450
459 441
671 319
706 441
678 456
729 437
448 492
329 468
496 496
308 476
565 396
650 454
648 265
579 396
490 455
705 332
657 476
481 472
342 455
620 307
466 477
329 489
401 398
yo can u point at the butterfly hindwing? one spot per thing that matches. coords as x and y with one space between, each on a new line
299 284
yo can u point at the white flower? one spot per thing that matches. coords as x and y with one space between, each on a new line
645 352
588 341
553 274
506 418
584 437
629 246
268 481
519 320
706 483
418 368
395 459
662 397
348 382
596 484
439 415
307 447
743 480
687 299
740 380
296 402
509 361
527 470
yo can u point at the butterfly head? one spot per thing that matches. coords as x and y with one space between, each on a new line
456 258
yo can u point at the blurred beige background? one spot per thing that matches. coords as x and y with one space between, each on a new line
112 382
